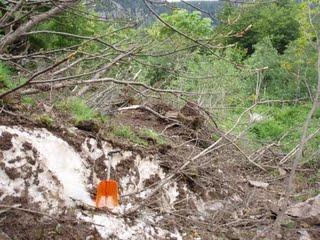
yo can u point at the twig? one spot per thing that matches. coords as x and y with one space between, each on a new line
36 75
28 211
146 108
304 137
105 80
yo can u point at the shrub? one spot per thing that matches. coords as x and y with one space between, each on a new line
149 133
5 77
80 110
28 101
46 120
128 133
268 130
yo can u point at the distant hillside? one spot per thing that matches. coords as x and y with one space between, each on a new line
138 10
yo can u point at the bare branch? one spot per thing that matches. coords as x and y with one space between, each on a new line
24 28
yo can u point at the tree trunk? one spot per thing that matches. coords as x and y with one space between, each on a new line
24 28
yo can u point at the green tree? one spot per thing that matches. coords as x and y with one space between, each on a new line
276 21
165 68
70 22
192 24
272 81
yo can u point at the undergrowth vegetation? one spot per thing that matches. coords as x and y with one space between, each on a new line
153 135
127 133
79 110
257 52
143 137
285 123
211 116
5 77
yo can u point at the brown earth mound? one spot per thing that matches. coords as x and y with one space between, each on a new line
227 206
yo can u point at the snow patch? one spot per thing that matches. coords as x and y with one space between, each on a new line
56 157
57 177
90 148
109 226
172 192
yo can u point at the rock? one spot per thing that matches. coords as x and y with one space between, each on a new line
282 172
215 206
256 117
304 235
258 184
72 130
208 208
308 211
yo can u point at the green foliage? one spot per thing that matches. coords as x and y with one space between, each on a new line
273 80
191 24
288 75
127 133
69 22
160 70
80 110
207 74
5 77
299 64
46 120
215 137
268 130
272 20
285 122
165 69
315 179
28 101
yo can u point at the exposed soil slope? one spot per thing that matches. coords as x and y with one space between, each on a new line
48 177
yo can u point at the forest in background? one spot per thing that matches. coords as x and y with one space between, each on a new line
138 10
253 67
258 52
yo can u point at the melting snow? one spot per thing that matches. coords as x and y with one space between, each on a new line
11 188
55 175
90 148
55 155
172 193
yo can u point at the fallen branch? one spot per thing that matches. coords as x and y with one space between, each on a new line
101 80
304 137
296 148
146 108
36 75
11 37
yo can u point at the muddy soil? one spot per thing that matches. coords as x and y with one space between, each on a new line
227 206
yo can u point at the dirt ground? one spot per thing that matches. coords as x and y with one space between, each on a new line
231 207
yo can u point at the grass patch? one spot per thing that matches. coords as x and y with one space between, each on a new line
127 133
7 81
80 111
28 101
284 121
268 130
45 119
149 133
314 179
5 77
289 224
215 137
